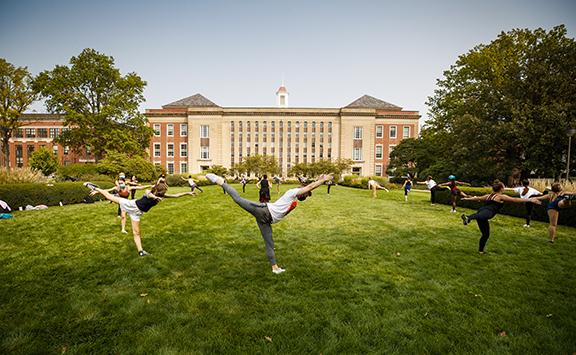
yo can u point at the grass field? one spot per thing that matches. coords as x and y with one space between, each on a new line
363 276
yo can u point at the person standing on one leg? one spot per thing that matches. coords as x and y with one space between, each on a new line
267 214
557 200
135 208
492 205
526 192
193 185
455 192
407 186
375 186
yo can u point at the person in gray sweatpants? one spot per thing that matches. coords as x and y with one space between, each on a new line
267 214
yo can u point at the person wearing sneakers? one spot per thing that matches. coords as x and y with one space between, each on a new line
135 208
407 187
492 205
454 190
123 190
432 186
557 200
526 192
267 214
375 186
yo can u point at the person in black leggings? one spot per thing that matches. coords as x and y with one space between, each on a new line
492 205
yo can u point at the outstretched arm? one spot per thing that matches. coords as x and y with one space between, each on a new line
463 183
476 198
321 180
507 198
179 194
139 187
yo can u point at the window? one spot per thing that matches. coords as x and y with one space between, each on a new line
29 150
406 132
379 131
19 133
378 170
156 129
170 149
170 168
204 131
183 168
357 132
157 150
42 133
170 130
55 150
379 150
88 150
31 132
357 154
392 131
205 152
391 148
54 132
183 129
19 160
183 150
66 150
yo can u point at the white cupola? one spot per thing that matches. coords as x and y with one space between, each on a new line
282 96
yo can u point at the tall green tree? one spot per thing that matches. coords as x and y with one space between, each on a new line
258 165
44 161
16 94
507 105
99 104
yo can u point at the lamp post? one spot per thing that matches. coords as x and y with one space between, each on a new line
570 133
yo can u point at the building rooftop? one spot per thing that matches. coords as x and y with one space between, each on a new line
368 101
191 101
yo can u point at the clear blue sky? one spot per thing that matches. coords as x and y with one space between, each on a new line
236 52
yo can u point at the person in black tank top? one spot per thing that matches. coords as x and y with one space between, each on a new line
492 205
135 208
264 186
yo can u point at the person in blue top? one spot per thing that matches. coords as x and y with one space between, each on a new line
136 208
492 205
557 200
407 187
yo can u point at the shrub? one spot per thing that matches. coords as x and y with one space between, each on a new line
567 216
79 171
114 163
45 161
361 182
21 176
20 195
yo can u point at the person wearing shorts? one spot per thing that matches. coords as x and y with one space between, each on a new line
267 214
375 186
407 186
136 208
454 190
557 200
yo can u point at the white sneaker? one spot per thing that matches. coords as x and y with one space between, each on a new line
215 178
278 271
526 226
124 231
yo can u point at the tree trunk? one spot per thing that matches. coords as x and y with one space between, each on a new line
5 151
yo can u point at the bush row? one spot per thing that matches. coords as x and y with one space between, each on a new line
361 182
20 195
567 216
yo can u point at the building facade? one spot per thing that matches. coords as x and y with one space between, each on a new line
193 134
38 131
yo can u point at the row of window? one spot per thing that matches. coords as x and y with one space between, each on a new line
257 125
204 150
39 132
392 132
170 167
357 152
204 130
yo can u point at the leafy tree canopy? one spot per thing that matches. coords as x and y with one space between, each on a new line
16 94
507 105
100 105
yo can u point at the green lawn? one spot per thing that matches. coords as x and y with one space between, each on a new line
362 276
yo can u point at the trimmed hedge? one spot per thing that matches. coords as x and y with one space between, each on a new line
567 216
360 182
20 195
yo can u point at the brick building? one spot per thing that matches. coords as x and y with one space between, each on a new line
38 131
194 133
